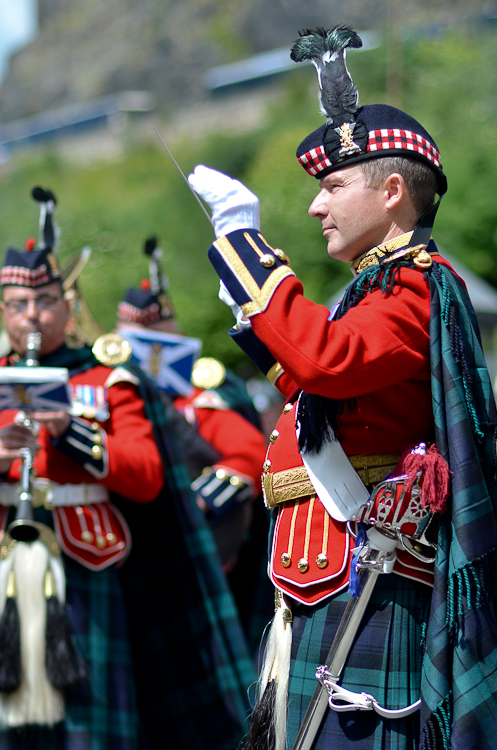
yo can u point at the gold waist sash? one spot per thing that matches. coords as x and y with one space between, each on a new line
291 484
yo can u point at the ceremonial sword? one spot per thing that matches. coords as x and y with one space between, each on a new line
375 557
342 643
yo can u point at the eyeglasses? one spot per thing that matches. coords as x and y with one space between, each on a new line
43 302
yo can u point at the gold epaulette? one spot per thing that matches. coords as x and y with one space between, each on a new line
393 250
112 350
208 373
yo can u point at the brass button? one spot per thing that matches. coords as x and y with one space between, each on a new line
235 481
266 465
287 408
98 439
281 255
111 537
267 260
221 474
97 452
274 436
87 536
322 560
303 565
95 426
101 543
286 560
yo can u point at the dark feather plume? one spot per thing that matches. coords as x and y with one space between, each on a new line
158 282
43 196
49 232
327 49
150 245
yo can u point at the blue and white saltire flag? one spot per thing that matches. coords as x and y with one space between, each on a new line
167 358
34 389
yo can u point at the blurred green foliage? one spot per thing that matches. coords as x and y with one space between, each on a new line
114 205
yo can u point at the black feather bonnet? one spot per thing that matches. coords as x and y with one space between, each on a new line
353 133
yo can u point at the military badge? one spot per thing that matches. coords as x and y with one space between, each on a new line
112 350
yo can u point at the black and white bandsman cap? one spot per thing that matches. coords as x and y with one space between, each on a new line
149 303
34 266
353 133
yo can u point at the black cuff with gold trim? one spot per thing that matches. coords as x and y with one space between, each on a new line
250 268
220 491
85 444
254 348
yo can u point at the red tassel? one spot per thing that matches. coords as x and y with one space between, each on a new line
435 475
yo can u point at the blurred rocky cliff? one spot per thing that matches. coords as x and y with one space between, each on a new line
90 49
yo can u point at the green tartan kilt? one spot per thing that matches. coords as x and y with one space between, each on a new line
385 661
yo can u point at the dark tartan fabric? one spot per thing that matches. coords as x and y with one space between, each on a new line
459 686
385 661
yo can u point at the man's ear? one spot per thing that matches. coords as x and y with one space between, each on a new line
395 190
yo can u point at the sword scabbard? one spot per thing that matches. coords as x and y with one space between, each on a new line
340 649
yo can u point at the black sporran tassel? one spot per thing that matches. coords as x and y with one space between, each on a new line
10 640
262 735
64 663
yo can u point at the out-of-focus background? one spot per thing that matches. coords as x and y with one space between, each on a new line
84 85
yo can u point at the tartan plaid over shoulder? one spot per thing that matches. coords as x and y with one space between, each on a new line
459 677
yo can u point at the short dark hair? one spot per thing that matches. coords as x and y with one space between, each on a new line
420 180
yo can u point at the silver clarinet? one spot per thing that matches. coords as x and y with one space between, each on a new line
24 528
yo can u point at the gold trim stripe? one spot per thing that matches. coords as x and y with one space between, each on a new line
260 296
307 540
274 373
292 530
252 244
263 239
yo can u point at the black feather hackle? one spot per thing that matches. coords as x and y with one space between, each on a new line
43 196
316 42
338 95
150 245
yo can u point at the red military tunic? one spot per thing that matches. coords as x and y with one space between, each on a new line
241 445
227 487
377 355
114 448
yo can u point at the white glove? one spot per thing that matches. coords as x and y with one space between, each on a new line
241 321
233 206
